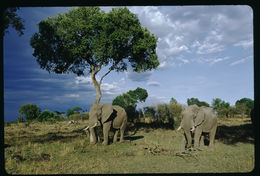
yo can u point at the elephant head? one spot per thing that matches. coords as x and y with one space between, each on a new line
189 116
98 113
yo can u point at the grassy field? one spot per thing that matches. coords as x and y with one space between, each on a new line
59 148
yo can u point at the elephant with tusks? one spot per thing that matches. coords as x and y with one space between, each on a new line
197 120
109 117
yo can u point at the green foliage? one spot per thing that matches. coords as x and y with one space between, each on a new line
248 103
87 37
10 18
46 115
75 110
129 101
173 101
139 94
28 112
221 107
191 101
150 111
49 116
175 110
83 116
242 109
125 100
163 112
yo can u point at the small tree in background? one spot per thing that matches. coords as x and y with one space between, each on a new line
173 101
29 112
163 113
47 115
129 101
241 109
248 103
221 107
175 110
192 101
140 95
150 111
75 110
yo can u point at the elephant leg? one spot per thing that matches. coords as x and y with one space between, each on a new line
122 135
115 136
106 128
212 136
197 136
183 144
122 131
201 142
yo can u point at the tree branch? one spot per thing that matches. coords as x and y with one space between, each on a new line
104 76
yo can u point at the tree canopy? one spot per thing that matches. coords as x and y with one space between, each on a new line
86 39
173 101
11 18
191 101
29 112
247 101
130 99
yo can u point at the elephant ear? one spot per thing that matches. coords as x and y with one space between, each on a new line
107 110
200 118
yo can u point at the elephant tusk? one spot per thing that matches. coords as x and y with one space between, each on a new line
94 125
179 128
193 128
85 129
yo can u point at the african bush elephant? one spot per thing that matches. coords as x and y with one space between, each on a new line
108 116
197 119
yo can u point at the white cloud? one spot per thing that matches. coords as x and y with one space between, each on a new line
154 83
240 61
210 61
202 30
72 95
139 77
245 44
83 80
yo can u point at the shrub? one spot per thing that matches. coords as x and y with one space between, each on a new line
83 116
175 112
46 115
28 112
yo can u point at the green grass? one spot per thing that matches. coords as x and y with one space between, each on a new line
46 148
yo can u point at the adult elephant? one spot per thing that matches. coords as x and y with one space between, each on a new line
198 120
108 116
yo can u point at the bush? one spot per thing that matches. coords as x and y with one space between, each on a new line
175 112
150 111
46 115
28 112
83 116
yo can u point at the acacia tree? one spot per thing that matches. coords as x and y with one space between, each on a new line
10 17
191 101
84 40
140 95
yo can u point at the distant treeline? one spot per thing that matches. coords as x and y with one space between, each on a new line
169 114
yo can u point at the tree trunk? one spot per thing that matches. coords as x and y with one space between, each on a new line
97 86
142 107
98 91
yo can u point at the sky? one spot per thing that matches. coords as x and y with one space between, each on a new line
205 52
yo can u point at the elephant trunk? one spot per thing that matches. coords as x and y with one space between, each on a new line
188 138
92 134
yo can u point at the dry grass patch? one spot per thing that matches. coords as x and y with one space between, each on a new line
59 148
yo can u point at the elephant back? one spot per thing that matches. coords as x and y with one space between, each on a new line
210 119
120 118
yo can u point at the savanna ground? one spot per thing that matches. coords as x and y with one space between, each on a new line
59 148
